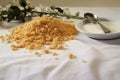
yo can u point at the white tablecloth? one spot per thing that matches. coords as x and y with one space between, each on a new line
94 59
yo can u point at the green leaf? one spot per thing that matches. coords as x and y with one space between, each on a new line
16 10
77 14
22 18
1 19
10 18
3 13
29 9
52 7
59 9
23 3
13 12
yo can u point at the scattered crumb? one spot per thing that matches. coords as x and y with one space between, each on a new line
13 47
46 51
37 53
84 61
54 54
2 38
60 47
70 56
52 47
8 41
66 45
56 58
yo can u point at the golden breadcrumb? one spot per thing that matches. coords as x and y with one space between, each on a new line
70 56
52 47
46 51
54 54
42 31
13 47
60 47
37 53
2 38
56 58
8 41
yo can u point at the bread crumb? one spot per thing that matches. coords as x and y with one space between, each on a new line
14 47
56 58
54 54
52 46
84 61
8 41
70 56
42 31
60 47
2 38
37 54
46 51
66 45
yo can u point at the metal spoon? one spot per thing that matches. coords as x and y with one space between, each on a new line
91 17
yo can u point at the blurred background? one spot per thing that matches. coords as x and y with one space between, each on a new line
72 3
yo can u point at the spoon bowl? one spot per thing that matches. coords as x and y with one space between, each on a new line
93 18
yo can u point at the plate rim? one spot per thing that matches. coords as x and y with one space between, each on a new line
79 23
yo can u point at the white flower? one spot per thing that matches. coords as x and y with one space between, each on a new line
66 11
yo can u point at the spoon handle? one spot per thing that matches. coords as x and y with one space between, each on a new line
105 29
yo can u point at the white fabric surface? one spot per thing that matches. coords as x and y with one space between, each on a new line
20 65
102 60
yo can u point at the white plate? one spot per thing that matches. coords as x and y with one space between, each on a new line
114 34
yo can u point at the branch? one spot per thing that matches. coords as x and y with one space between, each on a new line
58 14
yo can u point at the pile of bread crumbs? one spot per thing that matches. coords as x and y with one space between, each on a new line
41 31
